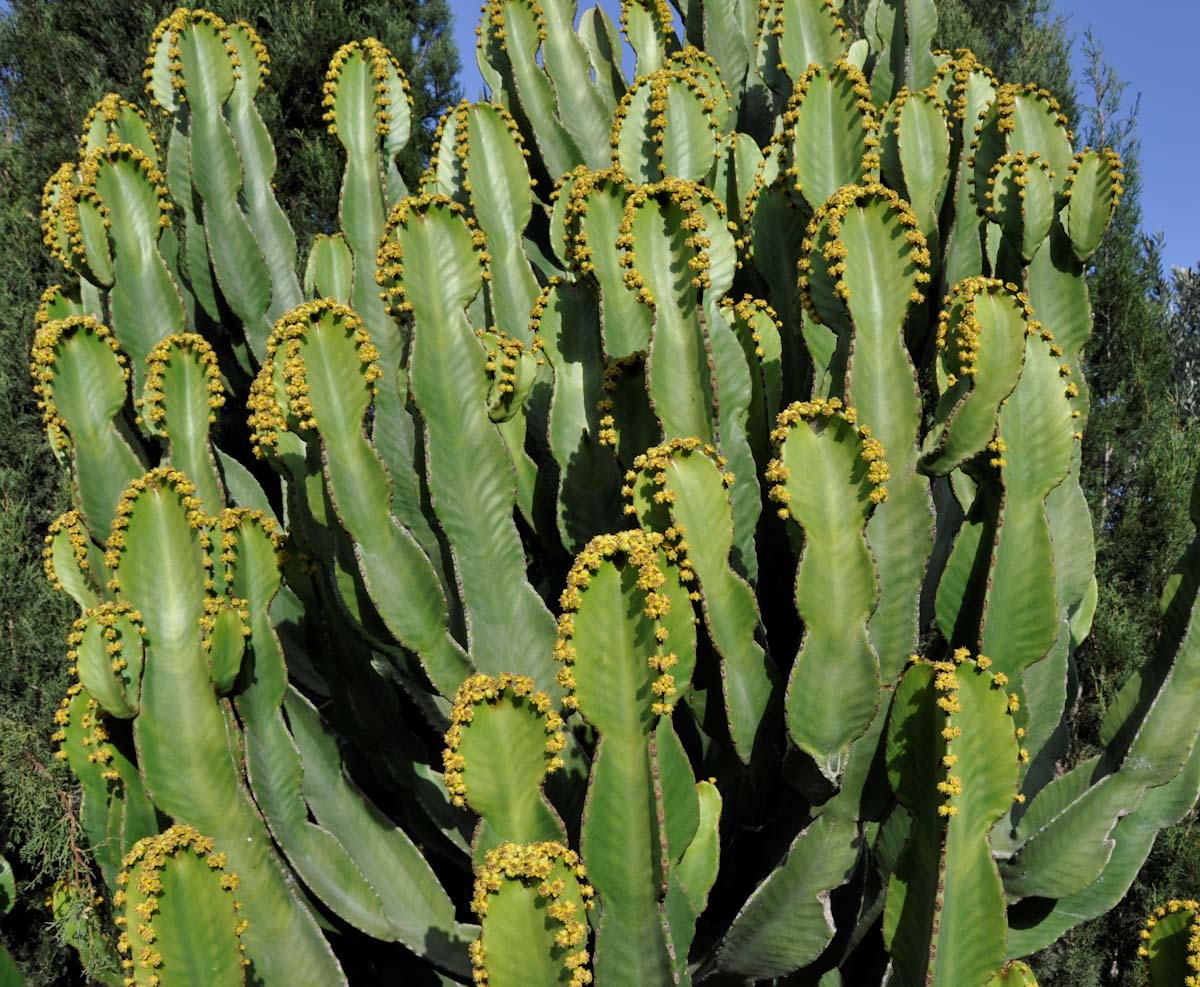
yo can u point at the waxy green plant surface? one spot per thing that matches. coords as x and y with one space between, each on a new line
649 551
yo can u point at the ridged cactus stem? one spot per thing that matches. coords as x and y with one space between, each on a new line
567 319
666 229
503 741
866 265
322 361
479 161
115 811
649 26
593 205
70 560
366 871
679 490
967 88
952 761
180 921
180 403
747 354
81 378
432 251
624 668
194 62
830 476
1171 944
509 38
532 900
181 730
263 213
143 301
369 108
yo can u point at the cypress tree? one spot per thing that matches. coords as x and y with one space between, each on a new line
1183 325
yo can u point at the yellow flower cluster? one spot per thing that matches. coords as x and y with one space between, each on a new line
959 322
489 690
825 230
143 867
390 82
1193 943
504 354
60 222
159 478
662 83
458 122
634 363
230 522
44 356
819 413
262 58
640 549
1116 175
660 14
536 864
946 684
493 17
999 447
1004 109
109 156
652 467
744 315
214 606
268 416
90 728
1012 171
389 261
188 346
688 197
168 32
960 70
706 72
111 108
539 308
584 185
117 623
70 523
893 109
840 72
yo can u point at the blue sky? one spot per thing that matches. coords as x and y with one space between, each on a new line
1153 57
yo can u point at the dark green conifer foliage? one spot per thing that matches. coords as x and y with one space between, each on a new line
1183 302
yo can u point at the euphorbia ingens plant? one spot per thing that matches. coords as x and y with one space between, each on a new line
664 520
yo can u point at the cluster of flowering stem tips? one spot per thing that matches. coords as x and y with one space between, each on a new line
567 518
